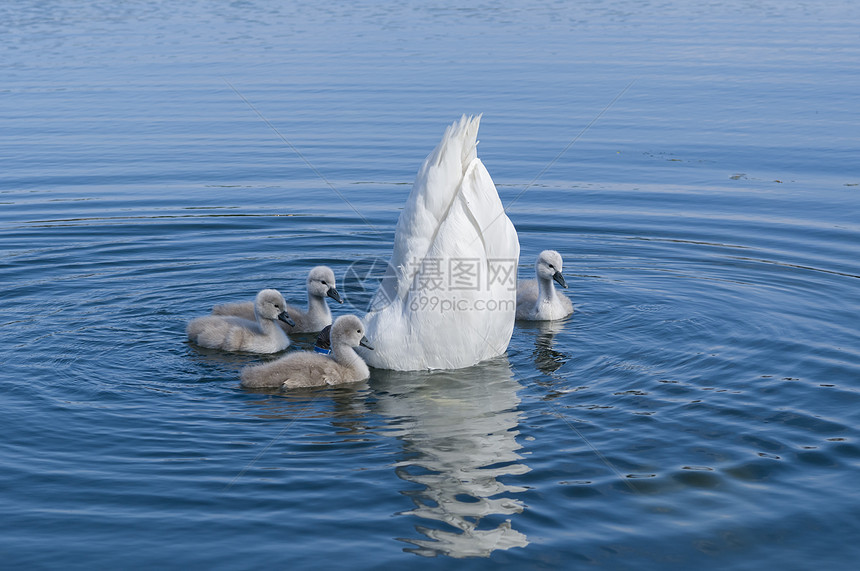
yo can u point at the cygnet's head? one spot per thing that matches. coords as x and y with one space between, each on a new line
270 304
321 283
549 266
349 329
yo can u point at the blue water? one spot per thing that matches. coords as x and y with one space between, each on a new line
696 165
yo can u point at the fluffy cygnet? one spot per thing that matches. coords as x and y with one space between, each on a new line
230 333
537 300
307 369
321 284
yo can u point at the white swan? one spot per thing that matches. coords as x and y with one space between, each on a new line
537 300
448 298
306 369
320 284
232 333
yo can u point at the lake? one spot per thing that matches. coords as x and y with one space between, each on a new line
697 166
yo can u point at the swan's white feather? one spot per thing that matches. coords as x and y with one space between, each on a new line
452 214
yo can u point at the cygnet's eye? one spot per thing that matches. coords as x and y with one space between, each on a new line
551 266
323 282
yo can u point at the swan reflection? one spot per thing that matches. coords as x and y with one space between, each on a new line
459 431
546 358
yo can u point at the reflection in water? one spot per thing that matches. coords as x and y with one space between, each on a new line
547 360
344 405
459 434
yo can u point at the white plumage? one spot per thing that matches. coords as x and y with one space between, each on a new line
448 299
537 299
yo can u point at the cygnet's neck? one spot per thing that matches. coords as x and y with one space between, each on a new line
347 357
267 326
546 290
318 308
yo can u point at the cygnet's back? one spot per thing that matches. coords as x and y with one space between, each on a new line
537 299
320 285
231 333
306 369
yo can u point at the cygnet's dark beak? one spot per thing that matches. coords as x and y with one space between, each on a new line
286 319
332 293
560 279
365 343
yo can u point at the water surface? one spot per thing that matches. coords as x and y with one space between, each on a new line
695 166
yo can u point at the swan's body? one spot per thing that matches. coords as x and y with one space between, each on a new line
537 299
306 369
230 333
448 298
321 284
